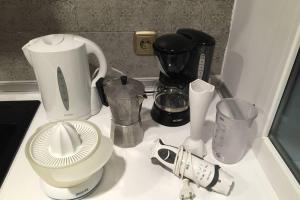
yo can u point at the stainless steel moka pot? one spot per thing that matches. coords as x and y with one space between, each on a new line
124 97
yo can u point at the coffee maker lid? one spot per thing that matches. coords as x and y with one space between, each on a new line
173 44
199 37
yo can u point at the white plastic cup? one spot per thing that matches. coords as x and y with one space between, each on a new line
234 119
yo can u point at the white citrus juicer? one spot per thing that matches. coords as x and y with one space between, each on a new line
69 157
200 96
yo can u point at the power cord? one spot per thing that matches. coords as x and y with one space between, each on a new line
113 69
186 192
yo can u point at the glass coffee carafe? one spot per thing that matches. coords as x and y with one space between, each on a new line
171 98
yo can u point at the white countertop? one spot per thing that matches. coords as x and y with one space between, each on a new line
130 175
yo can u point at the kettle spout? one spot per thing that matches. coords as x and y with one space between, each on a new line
26 50
27 53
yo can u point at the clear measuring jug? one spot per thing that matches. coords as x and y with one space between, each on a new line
234 119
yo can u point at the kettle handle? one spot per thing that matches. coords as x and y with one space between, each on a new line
93 48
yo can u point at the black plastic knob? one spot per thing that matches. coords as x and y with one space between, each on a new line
124 80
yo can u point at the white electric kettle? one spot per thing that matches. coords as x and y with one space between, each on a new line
60 63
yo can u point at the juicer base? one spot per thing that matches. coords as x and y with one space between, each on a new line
171 119
74 192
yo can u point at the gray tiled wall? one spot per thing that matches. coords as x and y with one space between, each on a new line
110 24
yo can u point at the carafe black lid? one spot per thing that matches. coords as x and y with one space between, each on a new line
173 44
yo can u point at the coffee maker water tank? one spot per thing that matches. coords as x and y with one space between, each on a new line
202 53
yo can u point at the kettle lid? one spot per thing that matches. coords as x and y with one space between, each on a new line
124 88
53 43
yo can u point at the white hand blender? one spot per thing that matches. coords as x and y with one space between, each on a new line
200 95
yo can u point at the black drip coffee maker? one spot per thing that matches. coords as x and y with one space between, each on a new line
184 57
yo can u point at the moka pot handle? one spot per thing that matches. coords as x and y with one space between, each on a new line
100 88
